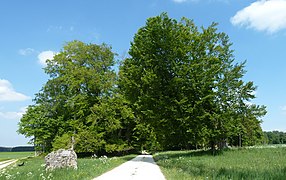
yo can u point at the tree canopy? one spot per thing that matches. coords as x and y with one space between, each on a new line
185 87
74 100
180 88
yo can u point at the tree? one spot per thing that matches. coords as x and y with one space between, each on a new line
184 87
114 120
38 124
81 76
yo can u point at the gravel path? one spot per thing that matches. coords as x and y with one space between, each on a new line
4 164
141 167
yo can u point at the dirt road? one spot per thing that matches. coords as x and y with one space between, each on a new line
4 164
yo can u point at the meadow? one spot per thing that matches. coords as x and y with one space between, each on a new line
14 155
88 168
246 163
236 164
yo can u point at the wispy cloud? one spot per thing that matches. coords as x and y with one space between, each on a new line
60 29
44 56
25 52
54 28
262 15
13 115
283 108
7 93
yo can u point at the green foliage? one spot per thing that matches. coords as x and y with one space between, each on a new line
89 140
256 163
186 89
62 142
38 123
181 88
275 137
79 100
114 119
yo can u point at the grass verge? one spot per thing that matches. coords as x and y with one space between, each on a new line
262 163
34 169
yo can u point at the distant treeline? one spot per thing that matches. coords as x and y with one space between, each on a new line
275 137
17 149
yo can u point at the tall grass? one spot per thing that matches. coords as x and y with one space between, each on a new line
14 155
88 168
254 163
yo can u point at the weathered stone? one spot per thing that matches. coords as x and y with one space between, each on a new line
61 159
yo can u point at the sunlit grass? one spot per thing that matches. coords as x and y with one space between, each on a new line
254 163
88 168
14 155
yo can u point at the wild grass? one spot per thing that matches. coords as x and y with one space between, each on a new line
14 155
251 163
88 168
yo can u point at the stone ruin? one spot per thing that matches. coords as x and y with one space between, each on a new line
61 159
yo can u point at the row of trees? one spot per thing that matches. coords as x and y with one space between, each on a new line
180 88
275 137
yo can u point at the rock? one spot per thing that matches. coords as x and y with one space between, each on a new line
144 152
61 159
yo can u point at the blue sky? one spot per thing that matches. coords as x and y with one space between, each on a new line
32 31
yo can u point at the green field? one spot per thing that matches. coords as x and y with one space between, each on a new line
88 168
235 164
14 155
251 163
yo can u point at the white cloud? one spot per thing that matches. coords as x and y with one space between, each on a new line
7 93
13 115
27 51
58 29
54 28
283 108
262 15
44 56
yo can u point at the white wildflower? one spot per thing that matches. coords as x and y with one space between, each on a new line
94 156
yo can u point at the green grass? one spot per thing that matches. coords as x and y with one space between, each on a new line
14 155
34 169
254 163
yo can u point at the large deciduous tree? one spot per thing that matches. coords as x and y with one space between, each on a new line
78 100
185 88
